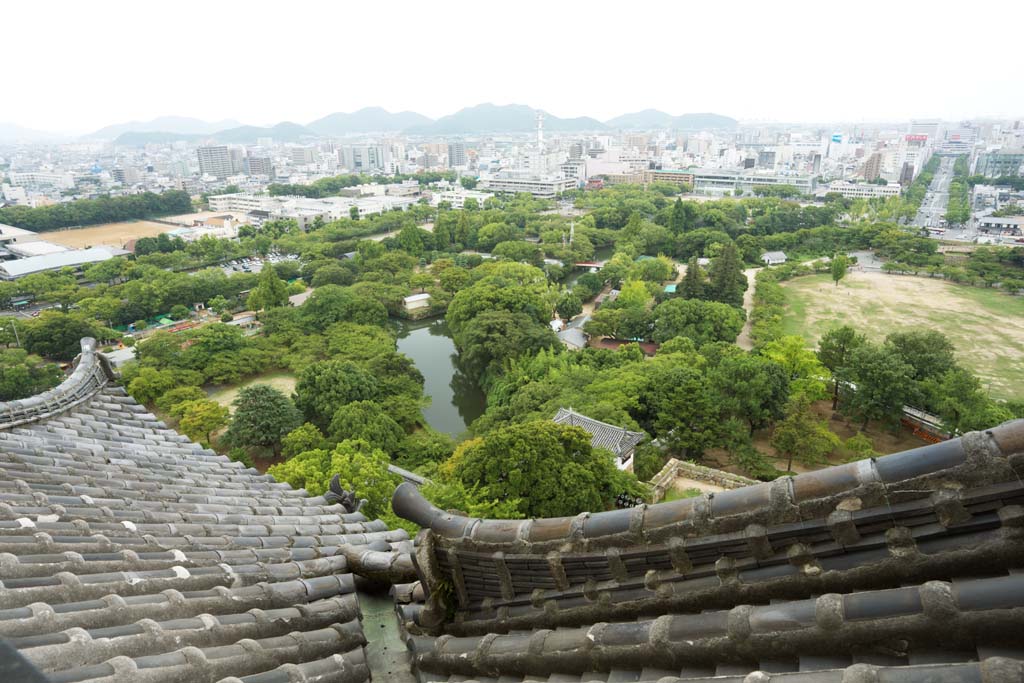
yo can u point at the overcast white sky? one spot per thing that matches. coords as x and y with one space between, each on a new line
77 66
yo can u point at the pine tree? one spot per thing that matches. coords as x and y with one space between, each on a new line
693 282
677 220
727 281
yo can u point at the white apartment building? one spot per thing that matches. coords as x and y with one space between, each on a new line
215 160
543 188
717 181
39 180
863 190
242 202
457 196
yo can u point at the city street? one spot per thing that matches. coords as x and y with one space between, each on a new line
933 208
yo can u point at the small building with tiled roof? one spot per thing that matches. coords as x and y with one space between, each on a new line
619 440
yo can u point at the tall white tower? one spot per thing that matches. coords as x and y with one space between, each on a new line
540 130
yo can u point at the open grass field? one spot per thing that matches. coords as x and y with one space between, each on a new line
224 395
985 325
116 234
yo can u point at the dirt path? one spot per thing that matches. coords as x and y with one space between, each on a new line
744 341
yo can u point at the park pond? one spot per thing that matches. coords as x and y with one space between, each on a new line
456 400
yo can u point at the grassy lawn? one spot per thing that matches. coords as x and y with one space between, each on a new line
986 326
280 379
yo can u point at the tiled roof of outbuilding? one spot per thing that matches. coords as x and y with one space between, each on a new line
129 553
618 440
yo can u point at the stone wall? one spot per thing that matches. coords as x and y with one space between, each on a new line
674 468
92 372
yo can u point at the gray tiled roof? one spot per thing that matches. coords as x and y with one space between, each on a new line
860 572
618 440
127 552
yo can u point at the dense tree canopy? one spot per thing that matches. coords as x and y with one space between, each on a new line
551 469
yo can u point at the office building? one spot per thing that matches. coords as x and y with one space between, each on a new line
873 166
863 190
1000 162
260 165
365 158
456 154
215 160
544 188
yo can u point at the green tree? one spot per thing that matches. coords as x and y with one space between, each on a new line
360 468
368 421
883 384
569 306
727 282
173 397
303 438
838 266
353 213
493 338
806 373
179 312
959 399
270 292
834 350
201 418
550 468
803 435
330 304
326 386
750 388
263 417
57 335
701 321
928 352
692 286
23 375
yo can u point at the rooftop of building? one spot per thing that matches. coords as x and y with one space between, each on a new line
129 553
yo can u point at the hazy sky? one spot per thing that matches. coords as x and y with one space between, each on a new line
76 66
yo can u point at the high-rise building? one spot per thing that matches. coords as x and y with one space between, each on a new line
364 158
873 166
260 165
301 156
929 127
214 160
456 153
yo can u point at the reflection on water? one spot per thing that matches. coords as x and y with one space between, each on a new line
455 399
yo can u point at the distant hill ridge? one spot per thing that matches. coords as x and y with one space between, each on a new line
482 118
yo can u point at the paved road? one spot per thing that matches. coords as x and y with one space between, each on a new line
933 208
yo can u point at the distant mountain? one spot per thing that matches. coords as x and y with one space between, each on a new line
642 120
164 124
12 132
510 118
285 131
704 122
367 120
649 119
140 138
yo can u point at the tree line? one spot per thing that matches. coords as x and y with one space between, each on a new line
95 211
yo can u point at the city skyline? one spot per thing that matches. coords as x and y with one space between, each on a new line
560 59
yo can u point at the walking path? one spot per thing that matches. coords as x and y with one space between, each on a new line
743 341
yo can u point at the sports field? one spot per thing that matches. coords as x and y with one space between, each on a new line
985 325
116 234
